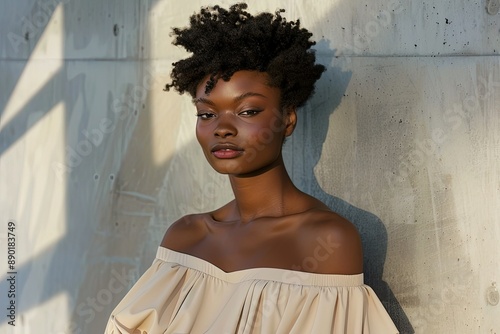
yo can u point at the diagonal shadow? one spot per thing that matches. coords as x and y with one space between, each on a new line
59 89
42 284
20 43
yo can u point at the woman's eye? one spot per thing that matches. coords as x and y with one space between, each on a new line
251 112
204 115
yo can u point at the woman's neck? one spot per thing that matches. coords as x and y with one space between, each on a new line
263 194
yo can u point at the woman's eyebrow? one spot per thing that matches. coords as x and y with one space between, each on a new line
245 95
202 100
236 99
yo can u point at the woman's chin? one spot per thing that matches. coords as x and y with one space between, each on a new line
227 170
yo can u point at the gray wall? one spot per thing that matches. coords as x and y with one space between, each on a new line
402 137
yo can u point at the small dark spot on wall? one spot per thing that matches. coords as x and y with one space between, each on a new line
116 30
27 36
415 45
448 21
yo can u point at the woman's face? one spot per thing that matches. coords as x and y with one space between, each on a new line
240 125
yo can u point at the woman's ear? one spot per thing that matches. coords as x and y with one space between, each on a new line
290 120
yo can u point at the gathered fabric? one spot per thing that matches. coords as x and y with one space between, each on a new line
182 294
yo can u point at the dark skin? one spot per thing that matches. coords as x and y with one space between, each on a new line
270 223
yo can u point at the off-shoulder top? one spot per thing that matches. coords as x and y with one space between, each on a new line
181 293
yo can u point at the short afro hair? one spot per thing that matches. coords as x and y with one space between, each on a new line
223 42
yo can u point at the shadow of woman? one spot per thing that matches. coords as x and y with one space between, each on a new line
308 139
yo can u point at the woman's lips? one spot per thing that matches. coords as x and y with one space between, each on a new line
226 151
227 154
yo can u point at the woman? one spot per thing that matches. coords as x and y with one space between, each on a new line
274 259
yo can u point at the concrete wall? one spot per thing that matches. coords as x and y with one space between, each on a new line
402 137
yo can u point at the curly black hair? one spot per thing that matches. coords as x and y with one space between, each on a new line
223 42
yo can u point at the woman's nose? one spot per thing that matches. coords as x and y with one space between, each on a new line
225 127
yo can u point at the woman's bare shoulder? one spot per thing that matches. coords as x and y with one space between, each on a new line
188 231
185 232
331 242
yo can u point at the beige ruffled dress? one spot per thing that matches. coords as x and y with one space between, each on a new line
181 293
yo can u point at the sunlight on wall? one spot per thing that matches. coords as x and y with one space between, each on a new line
41 185
33 79
40 188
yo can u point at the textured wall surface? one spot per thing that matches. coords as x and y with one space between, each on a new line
402 137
